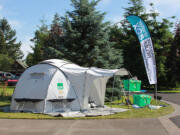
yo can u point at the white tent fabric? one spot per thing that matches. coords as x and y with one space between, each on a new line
57 86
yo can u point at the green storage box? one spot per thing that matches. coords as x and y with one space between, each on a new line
141 100
132 85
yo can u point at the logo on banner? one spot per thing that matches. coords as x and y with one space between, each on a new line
140 31
60 87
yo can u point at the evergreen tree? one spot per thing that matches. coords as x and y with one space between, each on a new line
8 43
56 32
174 59
5 62
161 37
40 39
30 60
86 37
80 37
133 60
47 42
54 44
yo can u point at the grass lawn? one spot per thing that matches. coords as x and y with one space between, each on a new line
131 113
170 91
165 91
5 95
6 91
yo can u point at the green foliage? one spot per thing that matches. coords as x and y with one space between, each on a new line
29 59
8 43
86 37
136 8
83 37
47 42
161 37
116 94
40 38
54 42
174 59
5 62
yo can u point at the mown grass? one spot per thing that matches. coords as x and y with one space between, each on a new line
165 91
4 101
170 90
5 95
131 113
6 91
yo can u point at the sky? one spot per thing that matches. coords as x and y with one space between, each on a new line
24 15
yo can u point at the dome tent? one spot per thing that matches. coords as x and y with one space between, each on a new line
56 86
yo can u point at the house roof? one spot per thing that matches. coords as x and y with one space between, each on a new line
23 64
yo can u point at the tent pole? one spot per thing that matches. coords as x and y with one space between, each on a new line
155 92
84 87
112 92
119 94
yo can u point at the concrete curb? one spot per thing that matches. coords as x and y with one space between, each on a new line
170 127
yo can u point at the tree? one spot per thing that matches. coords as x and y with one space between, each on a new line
40 39
80 37
54 44
46 42
86 37
30 60
5 62
133 60
174 59
8 43
161 37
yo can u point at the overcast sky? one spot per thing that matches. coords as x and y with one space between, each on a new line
24 15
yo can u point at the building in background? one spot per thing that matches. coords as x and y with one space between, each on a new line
18 67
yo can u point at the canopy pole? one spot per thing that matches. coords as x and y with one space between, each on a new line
155 92
112 92
119 94
84 87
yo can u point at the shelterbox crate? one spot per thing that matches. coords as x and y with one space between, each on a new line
132 85
141 100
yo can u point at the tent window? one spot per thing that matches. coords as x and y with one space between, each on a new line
61 105
37 75
47 62
61 100
27 100
28 106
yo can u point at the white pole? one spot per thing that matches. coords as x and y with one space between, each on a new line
155 92
112 93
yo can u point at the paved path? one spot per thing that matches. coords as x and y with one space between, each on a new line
173 97
176 120
82 127
168 124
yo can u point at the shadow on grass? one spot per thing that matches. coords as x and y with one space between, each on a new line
5 100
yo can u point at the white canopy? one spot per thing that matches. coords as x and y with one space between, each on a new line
57 85
71 67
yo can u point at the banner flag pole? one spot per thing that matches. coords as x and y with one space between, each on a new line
147 50
155 92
